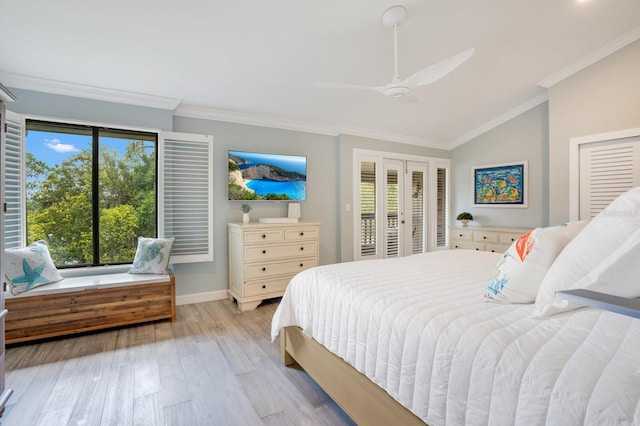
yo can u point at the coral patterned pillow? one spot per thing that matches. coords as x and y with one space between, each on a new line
517 276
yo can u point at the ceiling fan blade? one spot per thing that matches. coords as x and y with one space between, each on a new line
347 86
438 70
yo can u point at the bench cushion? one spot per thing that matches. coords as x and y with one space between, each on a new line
88 282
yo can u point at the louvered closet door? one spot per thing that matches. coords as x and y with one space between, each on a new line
607 169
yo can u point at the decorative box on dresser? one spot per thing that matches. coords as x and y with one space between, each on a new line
485 238
263 257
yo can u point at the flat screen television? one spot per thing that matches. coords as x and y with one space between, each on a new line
260 176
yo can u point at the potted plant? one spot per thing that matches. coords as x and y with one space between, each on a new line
465 217
246 208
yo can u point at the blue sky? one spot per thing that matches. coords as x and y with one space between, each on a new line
53 148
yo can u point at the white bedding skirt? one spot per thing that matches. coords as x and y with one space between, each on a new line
417 326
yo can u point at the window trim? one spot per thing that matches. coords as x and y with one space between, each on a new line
95 132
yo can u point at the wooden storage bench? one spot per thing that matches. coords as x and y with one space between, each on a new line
79 304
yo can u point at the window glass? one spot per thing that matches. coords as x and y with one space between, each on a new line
90 191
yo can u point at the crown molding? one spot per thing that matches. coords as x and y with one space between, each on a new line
392 137
591 58
87 92
503 118
207 113
6 95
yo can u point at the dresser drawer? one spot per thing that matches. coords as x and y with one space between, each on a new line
467 245
509 237
280 251
496 248
269 269
462 234
266 287
301 234
267 235
485 237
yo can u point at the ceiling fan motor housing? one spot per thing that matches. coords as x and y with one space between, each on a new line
396 91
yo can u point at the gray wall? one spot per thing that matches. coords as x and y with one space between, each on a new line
604 97
522 138
70 108
321 204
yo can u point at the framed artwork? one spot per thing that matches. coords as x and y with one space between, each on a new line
500 185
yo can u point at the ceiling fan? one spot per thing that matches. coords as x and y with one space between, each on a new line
402 88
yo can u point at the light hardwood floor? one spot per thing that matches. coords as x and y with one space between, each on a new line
213 366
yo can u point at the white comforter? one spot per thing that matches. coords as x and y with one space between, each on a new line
417 327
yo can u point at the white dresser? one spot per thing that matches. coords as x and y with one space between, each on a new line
263 257
487 239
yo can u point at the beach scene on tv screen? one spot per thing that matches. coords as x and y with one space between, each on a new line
258 176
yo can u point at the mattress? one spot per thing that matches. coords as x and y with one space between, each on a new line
418 327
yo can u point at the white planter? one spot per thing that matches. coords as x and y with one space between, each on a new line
245 217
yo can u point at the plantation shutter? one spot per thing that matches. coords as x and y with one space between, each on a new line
442 208
417 212
185 195
14 163
607 169
368 222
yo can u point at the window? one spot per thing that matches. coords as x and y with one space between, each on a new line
174 199
90 191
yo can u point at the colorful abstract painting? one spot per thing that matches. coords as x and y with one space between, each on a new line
500 185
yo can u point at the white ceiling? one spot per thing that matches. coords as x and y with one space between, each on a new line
255 60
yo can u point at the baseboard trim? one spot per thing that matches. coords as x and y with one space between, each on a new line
208 296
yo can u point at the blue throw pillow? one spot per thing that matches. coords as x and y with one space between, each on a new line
30 267
152 256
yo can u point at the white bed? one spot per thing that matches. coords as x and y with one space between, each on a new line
418 327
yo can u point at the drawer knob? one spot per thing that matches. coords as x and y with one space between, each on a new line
264 286
302 234
264 252
460 235
477 249
484 238
513 239
264 269
264 236
493 251
301 248
301 265
456 246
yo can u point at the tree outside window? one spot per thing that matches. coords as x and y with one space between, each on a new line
90 191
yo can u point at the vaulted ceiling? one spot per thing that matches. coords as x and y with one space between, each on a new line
250 60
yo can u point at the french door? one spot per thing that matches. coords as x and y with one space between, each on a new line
393 205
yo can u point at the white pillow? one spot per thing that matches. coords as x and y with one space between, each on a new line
617 275
604 235
152 256
30 267
519 273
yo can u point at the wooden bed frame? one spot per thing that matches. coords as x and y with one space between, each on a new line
363 400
